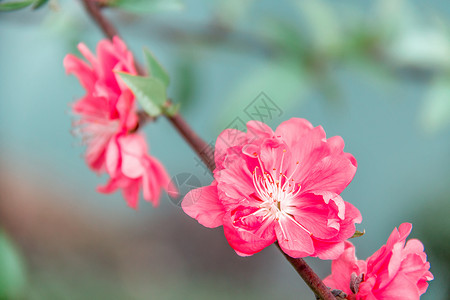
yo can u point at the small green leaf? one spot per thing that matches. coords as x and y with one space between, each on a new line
39 3
149 91
155 69
9 6
147 6
12 270
358 234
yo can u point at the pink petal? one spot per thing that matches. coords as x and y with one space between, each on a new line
313 213
308 152
161 175
132 166
399 288
227 139
203 205
332 173
248 241
414 267
292 130
133 151
84 73
127 111
342 269
112 157
293 240
84 50
257 130
336 144
327 250
131 193
399 235
111 186
236 180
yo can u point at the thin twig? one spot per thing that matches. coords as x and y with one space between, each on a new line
93 8
309 276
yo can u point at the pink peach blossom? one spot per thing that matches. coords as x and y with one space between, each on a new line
395 271
131 169
279 186
108 121
108 108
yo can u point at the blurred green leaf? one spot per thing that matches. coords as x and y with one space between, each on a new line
285 36
230 12
435 114
39 3
149 91
155 69
12 271
9 6
186 81
323 22
148 6
358 234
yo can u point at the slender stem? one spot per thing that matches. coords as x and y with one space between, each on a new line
309 276
93 8
206 153
203 150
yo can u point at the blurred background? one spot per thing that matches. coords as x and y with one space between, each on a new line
375 72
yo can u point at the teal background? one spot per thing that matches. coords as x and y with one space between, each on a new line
73 243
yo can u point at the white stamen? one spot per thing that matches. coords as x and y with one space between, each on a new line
275 194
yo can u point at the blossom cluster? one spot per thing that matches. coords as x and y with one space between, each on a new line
284 186
269 186
108 123
396 271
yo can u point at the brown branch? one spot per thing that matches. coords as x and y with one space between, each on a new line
205 152
309 276
93 8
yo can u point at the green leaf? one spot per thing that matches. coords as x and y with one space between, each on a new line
148 6
12 270
323 22
155 69
229 13
358 234
149 91
39 3
9 6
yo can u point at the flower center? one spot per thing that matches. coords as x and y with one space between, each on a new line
96 129
276 191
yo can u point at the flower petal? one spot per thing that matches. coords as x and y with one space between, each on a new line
292 130
332 173
342 269
293 240
250 240
203 204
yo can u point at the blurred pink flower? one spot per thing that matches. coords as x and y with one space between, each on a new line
108 108
108 121
395 271
131 169
279 186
